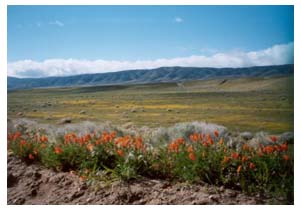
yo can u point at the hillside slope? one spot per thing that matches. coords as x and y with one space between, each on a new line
163 74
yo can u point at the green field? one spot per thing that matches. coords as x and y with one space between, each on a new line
252 104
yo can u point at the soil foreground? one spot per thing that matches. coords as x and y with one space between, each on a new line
34 184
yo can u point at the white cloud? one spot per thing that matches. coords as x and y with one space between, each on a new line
179 20
57 23
275 55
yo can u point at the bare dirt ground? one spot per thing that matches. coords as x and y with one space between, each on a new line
34 184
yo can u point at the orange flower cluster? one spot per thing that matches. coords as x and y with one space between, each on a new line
14 136
106 138
191 153
120 152
124 142
273 148
86 140
175 145
205 140
58 150
234 155
44 139
192 156
72 138
128 142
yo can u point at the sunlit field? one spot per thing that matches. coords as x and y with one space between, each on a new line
264 104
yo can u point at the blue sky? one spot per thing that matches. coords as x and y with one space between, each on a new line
110 38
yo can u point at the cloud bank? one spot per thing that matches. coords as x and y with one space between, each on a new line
275 55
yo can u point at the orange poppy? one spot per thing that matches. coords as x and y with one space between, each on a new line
244 159
17 135
23 142
234 155
252 166
44 139
138 143
209 139
284 147
31 157
190 149
192 156
113 134
58 150
273 138
226 160
120 152
194 137
90 147
277 148
285 157
216 133
238 169
268 149
87 137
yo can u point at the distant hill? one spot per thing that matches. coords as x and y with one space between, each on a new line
163 74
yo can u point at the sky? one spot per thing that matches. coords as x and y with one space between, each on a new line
67 40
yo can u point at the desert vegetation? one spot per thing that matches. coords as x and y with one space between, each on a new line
161 132
263 164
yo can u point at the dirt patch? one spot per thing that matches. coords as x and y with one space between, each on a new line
34 184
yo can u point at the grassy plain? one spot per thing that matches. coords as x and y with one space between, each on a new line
251 104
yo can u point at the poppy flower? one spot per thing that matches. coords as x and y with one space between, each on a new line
17 135
283 147
216 133
226 160
252 166
58 150
120 153
190 149
234 155
23 142
44 139
90 147
31 157
238 169
194 137
244 159
268 149
192 156
273 138
285 157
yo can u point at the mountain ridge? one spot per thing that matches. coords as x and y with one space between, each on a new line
140 76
